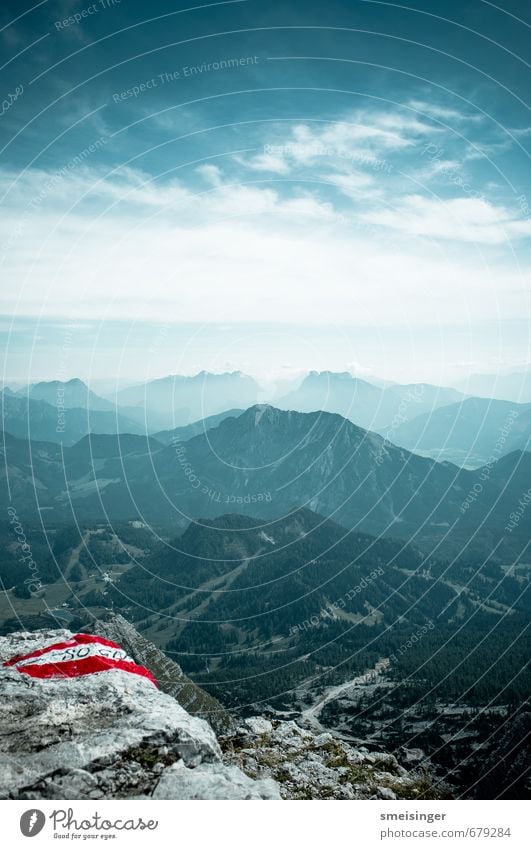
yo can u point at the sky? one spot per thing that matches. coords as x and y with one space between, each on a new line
265 186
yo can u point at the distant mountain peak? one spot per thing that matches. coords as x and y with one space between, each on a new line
67 394
179 400
261 413
331 375
73 383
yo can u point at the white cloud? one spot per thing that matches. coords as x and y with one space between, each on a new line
275 163
443 113
364 136
358 369
460 219
487 150
440 166
355 185
382 130
239 253
211 173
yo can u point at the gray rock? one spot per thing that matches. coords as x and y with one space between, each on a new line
258 725
307 765
411 757
104 735
385 793
212 781
168 674
322 739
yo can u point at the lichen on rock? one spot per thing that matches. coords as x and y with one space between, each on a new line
307 765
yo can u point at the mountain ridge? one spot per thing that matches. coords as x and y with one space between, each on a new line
268 460
474 429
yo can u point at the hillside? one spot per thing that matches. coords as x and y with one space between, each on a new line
182 434
513 386
297 596
470 433
44 421
265 462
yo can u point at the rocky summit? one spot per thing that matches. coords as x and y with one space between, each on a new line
106 735
114 734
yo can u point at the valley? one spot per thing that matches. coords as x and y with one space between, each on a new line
294 565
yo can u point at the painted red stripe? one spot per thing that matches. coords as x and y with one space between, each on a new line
77 639
85 666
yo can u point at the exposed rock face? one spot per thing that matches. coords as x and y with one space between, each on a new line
311 766
170 677
212 781
105 735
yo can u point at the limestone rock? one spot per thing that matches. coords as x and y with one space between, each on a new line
319 766
106 735
385 793
410 757
212 781
170 677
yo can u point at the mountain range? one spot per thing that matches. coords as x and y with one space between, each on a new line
514 386
471 433
178 400
37 419
70 394
264 463
376 408
181 434
432 421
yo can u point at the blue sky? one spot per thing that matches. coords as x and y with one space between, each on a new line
348 180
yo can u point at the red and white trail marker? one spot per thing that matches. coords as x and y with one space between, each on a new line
82 654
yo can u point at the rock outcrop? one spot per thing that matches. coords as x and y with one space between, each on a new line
105 735
170 677
307 765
